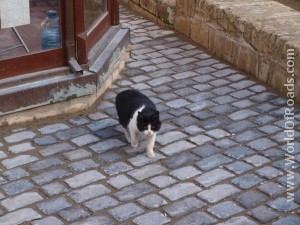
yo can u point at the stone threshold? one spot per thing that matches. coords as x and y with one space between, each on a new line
252 35
58 91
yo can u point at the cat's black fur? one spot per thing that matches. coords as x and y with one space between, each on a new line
127 102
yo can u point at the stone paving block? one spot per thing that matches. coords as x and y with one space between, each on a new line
246 181
104 146
282 204
152 201
239 167
98 115
223 109
289 220
162 181
46 140
170 137
268 172
17 187
179 191
21 200
19 216
116 168
238 152
257 160
218 192
107 133
177 103
53 128
142 160
177 147
159 81
200 139
213 177
261 144
214 123
3 155
242 114
88 192
212 162
184 207
250 199
185 173
83 165
53 189
51 220
225 209
240 220
19 148
199 218
206 150
101 203
18 161
50 176
242 104
217 133
263 214
85 140
197 106
77 154
109 157
56 149
120 181
201 96
151 218
133 191
79 121
84 178
94 220
269 129
124 212
21 136
262 120
146 172
71 133
45 164
101 124
193 130
237 127
184 121
72 214
15 174
246 136
53 205
271 189
180 160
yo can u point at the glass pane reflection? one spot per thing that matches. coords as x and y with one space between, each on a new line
94 10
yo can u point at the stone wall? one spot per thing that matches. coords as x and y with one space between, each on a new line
252 35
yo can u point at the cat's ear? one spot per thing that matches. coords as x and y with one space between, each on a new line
156 115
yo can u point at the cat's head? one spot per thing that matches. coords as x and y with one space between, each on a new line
148 121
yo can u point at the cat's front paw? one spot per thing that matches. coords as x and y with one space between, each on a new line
134 144
150 154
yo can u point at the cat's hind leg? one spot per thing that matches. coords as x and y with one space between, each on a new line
150 145
127 135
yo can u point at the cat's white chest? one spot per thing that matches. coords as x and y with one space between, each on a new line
132 125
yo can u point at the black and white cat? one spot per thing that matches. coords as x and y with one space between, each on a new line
137 113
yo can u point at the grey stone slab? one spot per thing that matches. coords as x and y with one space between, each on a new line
183 207
56 149
85 140
21 200
162 181
179 191
71 133
124 212
147 171
169 137
79 121
50 176
225 209
237 127
283 205
84 178
218 192
240 220
51 220
239 167
116 168
152 218
142 160
53 205
94 220
19 216
212 162
18 161
185 173
88 192
101 124
180 160
17 187
18 137
15 174
250 199
289 220
72 214
257 160
152 201
104 146
263 214
52 128
77 154
242 114
248 135
45 164
238 152
206 150
53 189
133 191
213 177
120 181
246 181
83 165
19 148
268 172
101 203
200 139
196 218
46 140
177 147
272 189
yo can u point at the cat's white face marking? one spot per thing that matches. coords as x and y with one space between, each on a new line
149 132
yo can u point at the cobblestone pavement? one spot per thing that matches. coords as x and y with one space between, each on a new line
220 152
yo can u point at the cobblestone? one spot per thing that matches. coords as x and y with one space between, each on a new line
126 211
218 193
152 218
21 200
179 191
225 209
84 178
72 214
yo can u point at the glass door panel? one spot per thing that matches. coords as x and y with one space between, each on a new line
94 11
